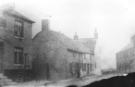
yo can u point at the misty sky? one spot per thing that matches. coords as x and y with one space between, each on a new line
114 20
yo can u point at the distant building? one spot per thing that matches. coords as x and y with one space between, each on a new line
126 58
90 43
56 56
86 58
15 43
83 66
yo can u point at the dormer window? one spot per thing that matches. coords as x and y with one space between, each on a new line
18 29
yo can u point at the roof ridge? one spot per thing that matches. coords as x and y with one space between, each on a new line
14 12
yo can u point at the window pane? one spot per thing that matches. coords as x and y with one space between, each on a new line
19 55
26 59
18 28
2 22
15 60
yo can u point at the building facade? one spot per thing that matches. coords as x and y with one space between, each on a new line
55 56
83 64
87 60
15 43
126 58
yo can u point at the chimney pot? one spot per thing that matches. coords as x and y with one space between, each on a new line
76 36
45 24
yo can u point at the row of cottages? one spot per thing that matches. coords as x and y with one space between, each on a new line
49 55
15 43
56 56
126 58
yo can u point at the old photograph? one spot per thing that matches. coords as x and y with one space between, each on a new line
67 43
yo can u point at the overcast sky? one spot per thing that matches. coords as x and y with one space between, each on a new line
114 20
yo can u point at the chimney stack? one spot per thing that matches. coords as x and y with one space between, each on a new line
76 36
45 25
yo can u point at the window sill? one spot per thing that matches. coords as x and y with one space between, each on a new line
27 66
19 37
18 64
22 65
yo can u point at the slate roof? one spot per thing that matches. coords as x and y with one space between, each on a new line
15 13
88 42
130 45
64 40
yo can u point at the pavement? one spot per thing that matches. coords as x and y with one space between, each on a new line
63 83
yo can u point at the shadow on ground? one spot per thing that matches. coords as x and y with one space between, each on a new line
117 81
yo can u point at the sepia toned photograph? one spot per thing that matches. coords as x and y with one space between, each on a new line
67 43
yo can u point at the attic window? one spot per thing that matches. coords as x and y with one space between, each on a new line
18 28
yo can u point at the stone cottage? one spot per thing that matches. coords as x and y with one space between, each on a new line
88 57
56 56
15 43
